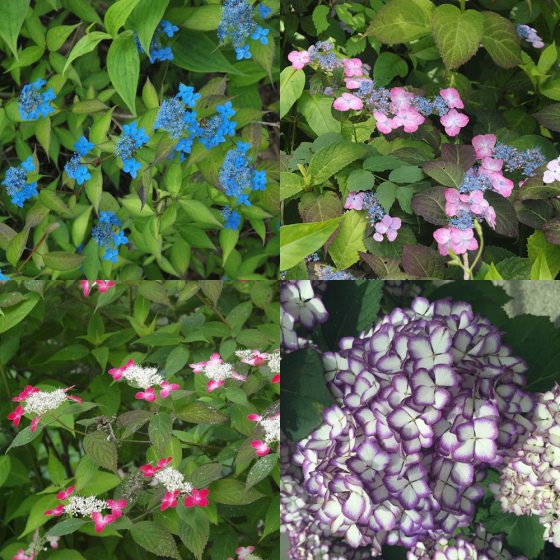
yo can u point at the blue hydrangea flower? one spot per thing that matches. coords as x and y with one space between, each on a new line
75 170
215 130
34 104
260 34
322 54
464 220
327 272
17 185
515 160
3 277
238 177
232 219
264 11
131 140
171 117
373 209
474 181
108 235
83 146
159 53
188 96
243 52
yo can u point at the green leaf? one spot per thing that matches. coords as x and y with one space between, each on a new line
24 437
297 241
292 83
228 242
457 34
202 18
549 117
319 207
102 452
348 242
37 516
123 66
59 260
333 158
66 527
85 45
117 14
159 431
527 536
445 173
408 174
540 270
547 58
501 40
194 531
17 313
52 201
212 289
493 273
200 413
317 112
17 246
83 10
551 89
261 469
422 262
145 18
57 35
387 67
290 185
206 474
401 21
199 212
154 538
13 16
233 493
176 360
320 18
430 204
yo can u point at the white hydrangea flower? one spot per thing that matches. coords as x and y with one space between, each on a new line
271 427
42 401
173 480
143 377
274 362
84 506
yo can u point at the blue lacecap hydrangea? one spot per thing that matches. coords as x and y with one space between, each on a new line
519 160
238 176
159 53
17 184
74 168
238 24
3 277
109 235
132 139
232 219
34 103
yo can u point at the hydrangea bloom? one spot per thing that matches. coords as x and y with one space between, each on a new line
329 273
74 169
354 201
175 485
102 285
17 183
131 140
144 378
298 299
257 358
232 218
109 235
269 425
299 59
387 227
34 104
529 34
238 176
427 400
159 53
215 130
552 172
216 371
35 403
3 277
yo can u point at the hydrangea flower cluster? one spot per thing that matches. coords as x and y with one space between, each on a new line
131 140
246 553
299 305
530 480
552 172
145 378
217 371
257 358
34 103
238 176
232 218
392 109
427 400
109 235
382 223
74 169
467 204
88 506
159 53
102 285
327 272
3 277
175 485
529 34
36 403
17 183
238 24
270 426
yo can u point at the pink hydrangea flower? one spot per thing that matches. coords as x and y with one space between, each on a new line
63 494
483 145
481 207
299 59
117 373
409 118
384 124
387 226
167 388
452 98
148 395
102 286
552 172
260 447
354 201
244 551
275 378
352 67
347 102
170 500
355 83
453 122
116 507
501 184
101 521
459 241
57 511
400 99
492 164
455 202
20 555
197 498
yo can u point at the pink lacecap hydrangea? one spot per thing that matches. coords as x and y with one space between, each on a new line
453 122
552 172
354 201
459 241
299 59
347 102
452 98
483 145
384 124
473 202
409 118
352 67
387 227
501 184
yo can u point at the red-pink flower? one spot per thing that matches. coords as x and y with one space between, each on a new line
352 67
163 463
257 358
169 500
16 415
116 507
384 124
198 367
102 286
57 511
276 378
483 145
105 285
299 59
117 373
354 201
20 555
34 422
452 98
212 385
167 388
197 498
459 241
148 395
29 389
254 417
149 470
453 122
501 184
101 521
63 494
400 99
86 287
244 551
260 447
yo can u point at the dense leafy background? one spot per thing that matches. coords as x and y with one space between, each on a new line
354 306
51 336
510 89
171 212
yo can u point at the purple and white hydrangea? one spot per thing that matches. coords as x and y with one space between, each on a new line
427 400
